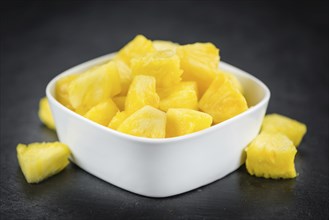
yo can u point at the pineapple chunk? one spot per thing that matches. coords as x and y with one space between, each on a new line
199 62
163 65
185 121
222 100
41 160
61 90
120 102
235 82
125 76
138 47
45 113
142 92
147 122
182 95
103 112
93 87
164 45
118 119
271 156
294 130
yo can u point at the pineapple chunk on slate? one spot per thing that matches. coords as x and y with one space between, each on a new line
138 47
41 160
45 114
293 129
271 156
182 95
61 90
142 92
163 65
164 45
93 87
222 100
103 112
185 121
120 102
146 122
118 119
125 76
199 62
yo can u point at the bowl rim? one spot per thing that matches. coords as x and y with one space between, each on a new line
107 57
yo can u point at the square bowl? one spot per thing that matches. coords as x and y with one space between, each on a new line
160 167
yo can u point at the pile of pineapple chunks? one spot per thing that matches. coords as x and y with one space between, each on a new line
160 89
155 89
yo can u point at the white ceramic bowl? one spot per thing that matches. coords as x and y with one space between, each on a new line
160 167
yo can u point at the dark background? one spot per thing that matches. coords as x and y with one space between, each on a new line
283 43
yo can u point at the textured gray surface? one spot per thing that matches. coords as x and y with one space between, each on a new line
285 45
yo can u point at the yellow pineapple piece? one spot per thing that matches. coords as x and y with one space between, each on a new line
103 112
120 102
125 76
271 156
199 62
93 87
138 47
118 119
185 121
222 100
146 122
163 65
234 80
41 160
164 45
182 95
293 129
61 90
142 92
45 114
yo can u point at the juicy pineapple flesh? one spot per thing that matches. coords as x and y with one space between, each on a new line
186 121
294 130
39 161
271 156
223 100
142 92
146 122
45 115
182 95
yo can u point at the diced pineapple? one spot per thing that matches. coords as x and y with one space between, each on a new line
93 87
222 100
234 80
199 62
164 45
125 76
182 95
103 112
45 115
271 156
185 121
61 90
138 47
293 129
41 160
118 119
142 92
120 102
163 65
146 122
